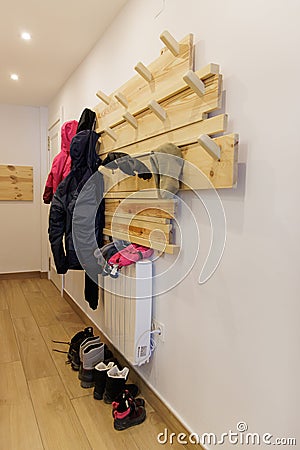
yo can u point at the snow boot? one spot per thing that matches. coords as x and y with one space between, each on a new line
73 353
91 356
126 395
86 343
127 413
116 383
100 376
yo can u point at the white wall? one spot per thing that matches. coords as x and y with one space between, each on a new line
22 237
231 350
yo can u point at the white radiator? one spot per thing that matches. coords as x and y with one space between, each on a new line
128 311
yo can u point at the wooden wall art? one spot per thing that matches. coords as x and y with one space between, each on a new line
166 101
16 182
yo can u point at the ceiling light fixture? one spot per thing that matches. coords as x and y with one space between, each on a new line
26 36
14 76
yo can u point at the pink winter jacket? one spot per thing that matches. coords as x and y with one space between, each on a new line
61 164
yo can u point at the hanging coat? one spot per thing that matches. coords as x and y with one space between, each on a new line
61 165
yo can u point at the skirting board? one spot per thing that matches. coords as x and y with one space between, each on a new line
23 275
174 425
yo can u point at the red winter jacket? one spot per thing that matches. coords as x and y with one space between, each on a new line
61 165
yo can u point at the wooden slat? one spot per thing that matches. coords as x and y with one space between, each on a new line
182 109
181 136
167 72
152 208
138 216
222 174
165 228
167 248
151 193
140 228
19 430
16 182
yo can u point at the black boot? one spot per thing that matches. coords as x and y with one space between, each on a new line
127 413
84 344
127 396
116 383
92 355
100 376
73 353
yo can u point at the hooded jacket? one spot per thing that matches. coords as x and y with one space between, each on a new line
61 165
85 162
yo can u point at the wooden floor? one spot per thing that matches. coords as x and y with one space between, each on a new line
42 405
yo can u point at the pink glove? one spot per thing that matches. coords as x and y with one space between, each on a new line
130 255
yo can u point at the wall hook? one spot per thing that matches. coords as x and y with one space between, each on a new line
103 97
210 146
130 119
194 83
142 70
170 42
122 99
158 110
111 133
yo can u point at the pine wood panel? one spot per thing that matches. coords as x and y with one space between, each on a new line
167 71
19 430
16 182
36 359
120 223
69 377
167 248
182 109
153 220
8 344
184 135
222 174
58 423
152 208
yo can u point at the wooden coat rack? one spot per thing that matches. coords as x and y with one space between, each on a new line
167 101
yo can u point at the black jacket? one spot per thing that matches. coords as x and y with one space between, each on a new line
85 162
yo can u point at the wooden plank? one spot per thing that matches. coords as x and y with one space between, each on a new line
185 135
3 302
115 219
150 193
222 174
19 430
68 376
153 208
57 420
138 216
98 425
16 182
8 343
182 109
34 354
139 230
167 248
15 298
167 72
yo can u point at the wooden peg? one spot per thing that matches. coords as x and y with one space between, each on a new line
142 70
122 99
130 119
103 97
158 110
194 83
170 42
210 146
111 133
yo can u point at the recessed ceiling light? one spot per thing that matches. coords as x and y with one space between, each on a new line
26 36
14 76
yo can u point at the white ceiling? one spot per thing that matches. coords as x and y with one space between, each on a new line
63 32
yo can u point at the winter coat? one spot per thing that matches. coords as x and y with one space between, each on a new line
85 162
61 165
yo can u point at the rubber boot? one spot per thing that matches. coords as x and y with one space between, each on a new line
86 343
100 376
116 383
92 355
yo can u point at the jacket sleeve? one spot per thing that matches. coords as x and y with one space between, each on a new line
57 228
48 191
